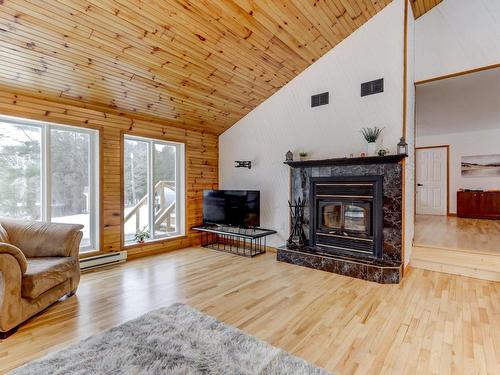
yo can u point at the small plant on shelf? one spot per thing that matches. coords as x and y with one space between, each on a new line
303 155
142 235
371 134
383 152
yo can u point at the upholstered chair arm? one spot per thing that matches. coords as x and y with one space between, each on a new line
42 239
10 292
9 249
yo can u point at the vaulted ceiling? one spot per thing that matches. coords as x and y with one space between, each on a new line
199 64
421 7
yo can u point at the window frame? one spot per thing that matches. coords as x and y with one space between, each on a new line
46 177
180 190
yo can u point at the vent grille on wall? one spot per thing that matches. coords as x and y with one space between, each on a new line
320 99
372 87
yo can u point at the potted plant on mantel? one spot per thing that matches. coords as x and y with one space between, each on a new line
303 155
142 235
371 135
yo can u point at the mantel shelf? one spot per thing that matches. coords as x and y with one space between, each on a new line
347 161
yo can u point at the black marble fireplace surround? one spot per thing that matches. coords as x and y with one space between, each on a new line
379 204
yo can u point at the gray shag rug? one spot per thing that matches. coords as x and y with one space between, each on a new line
172 340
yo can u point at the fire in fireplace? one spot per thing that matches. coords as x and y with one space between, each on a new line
347 215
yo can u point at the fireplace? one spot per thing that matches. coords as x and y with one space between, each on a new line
347 215
353 217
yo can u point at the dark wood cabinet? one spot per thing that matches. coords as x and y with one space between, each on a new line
485 205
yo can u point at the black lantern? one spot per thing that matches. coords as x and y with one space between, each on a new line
289 156
402 147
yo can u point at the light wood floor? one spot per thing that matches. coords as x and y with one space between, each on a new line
432 323
458 233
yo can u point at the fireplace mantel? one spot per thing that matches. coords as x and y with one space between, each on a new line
347 161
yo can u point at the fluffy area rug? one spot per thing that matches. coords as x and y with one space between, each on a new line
172 340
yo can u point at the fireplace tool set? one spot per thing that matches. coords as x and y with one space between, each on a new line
297 237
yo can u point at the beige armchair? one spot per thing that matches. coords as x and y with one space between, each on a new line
38 265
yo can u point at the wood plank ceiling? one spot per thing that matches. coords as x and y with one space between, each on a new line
200 64
421 7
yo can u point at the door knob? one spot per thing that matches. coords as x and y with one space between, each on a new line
420 184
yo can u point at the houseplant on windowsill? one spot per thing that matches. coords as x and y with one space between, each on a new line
371 135
142 235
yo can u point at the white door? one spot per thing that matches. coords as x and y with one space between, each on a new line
432 181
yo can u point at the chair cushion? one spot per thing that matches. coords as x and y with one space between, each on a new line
44 273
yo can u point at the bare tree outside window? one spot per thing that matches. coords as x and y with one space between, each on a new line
20 171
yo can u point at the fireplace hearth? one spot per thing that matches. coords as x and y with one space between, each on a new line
353 218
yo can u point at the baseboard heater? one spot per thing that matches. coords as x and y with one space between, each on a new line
102 260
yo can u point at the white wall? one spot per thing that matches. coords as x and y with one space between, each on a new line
285 121
457 35
482 142
462 112
410 139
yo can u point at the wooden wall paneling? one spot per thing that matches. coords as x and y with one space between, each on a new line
201 162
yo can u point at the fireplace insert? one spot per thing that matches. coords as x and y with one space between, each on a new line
347 215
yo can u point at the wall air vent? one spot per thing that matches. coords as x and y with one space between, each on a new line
320 99
372 87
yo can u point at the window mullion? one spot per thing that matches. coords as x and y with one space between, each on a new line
151 191
93 193
46 170
177 190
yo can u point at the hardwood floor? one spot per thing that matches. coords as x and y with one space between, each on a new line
432 323
458 233
468 247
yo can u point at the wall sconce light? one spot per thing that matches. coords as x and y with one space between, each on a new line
243 164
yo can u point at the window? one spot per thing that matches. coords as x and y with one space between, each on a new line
50 172
153 188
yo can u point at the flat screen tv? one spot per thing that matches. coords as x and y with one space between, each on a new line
239 208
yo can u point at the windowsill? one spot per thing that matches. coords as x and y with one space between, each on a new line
155 242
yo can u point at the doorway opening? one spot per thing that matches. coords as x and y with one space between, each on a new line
457 175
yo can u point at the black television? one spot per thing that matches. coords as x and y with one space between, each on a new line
239 208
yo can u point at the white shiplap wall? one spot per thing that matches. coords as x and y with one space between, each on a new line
410 138
457 35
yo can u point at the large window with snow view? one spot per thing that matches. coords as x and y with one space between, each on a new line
50 172
153 189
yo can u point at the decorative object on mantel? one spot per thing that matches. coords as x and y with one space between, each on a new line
243 164
297 237
402 146
383 152
303 155
371 135
289 156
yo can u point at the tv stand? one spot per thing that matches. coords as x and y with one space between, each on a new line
247 242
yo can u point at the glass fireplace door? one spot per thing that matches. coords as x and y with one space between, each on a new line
331 215
336 217
357 217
